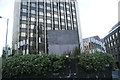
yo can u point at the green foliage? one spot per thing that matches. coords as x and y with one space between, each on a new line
38 65
33 52
76 52
4 54
96 62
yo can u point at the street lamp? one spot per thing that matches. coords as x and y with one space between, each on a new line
6 35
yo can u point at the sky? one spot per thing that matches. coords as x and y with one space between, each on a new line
96 18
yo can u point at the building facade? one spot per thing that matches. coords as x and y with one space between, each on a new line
93 44
112 42
50 26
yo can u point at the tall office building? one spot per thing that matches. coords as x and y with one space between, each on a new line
93 44
112 40
50 26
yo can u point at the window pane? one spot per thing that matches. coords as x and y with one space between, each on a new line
116 34
33 4
40 20
32 19
40 13
32 26
62 17
63 23
68 18
24 3
48 14
40 6
24 17
23 25
24 10
55 15
48 8
31 34
48 28
31 43
56 22
48 21
23 34
33 11
55 9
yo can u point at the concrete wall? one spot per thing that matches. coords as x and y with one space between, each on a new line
60 41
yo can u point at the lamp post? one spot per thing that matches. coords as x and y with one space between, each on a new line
6 35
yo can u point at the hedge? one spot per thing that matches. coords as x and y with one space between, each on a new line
96 62
43 65
37 65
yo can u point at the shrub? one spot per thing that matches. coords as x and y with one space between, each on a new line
30 64
96 62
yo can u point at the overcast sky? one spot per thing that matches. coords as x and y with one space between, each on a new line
96 17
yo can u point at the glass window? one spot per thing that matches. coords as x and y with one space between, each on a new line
55 16
23 25
24 3
40 40
108 45
48 21
32 19
55 9
63 23
40 20
111 44
48 28
61 11
24 10
48 8
48 14
73 8
61 5
116 34
55 3
68 18
24 17
33 11
117 41
68 12
40 6
74 19
56 22
114 43
31 34
113 36
23 34
33 4
31 43
110 38
69 24
73 13
56 28
75 25
67 6
40 13
62 17
32 26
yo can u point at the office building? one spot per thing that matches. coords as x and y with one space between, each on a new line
93 44
112 43
49 26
